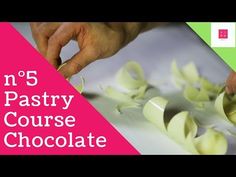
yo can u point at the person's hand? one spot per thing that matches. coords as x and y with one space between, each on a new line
231 83
95 41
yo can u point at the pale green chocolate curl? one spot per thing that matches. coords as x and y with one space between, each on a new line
183 129
80 87
131 76
122 106
196 96
211 142
117 95
188 75
212 89
226 107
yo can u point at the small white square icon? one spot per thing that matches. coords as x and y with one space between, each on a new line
222 34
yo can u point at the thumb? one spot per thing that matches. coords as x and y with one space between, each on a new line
77 63
231 83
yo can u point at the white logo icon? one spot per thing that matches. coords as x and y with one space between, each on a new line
222 34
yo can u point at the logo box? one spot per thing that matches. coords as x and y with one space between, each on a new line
222 34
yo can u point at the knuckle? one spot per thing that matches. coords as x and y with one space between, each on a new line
35 33
94 52
46 29
43 30
74 68
53 40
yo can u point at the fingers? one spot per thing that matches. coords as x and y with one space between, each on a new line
78 62
51 38
40 40
47 29
41 33
60 38
231 83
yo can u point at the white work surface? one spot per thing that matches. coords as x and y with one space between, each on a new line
154 50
